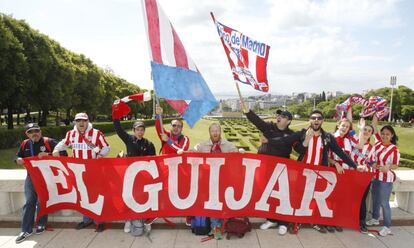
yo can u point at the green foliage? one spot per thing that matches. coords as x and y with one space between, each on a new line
37 74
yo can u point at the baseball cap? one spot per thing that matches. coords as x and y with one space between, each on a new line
138 124
81 116
287 114
278 112
32 126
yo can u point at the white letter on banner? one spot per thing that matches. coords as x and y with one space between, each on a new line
280 176
52 181
213 201
152 189
175 199
320 197
96 207
251 165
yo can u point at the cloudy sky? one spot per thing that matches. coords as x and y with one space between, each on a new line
346 45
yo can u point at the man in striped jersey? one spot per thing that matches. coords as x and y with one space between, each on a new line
172 142
86 143
317 146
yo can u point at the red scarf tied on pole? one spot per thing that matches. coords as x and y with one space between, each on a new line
120 107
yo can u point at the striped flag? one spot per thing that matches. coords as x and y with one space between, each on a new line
247 57
175 75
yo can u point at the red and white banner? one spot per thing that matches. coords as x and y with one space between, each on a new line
199 184
247 57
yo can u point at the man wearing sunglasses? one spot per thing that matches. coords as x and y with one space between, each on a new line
316 146
86 143
272 130
35 145
172 141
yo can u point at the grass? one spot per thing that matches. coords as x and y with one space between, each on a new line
200 133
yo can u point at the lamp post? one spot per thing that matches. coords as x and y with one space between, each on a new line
393 82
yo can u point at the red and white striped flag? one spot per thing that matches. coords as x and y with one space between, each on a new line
247 57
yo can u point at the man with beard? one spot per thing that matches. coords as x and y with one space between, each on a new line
216 145
317 146
273 130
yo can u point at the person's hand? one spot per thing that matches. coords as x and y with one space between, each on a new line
99 156
42 154
180 151
158 110
164 137
361 168
19 161
241 150
264 140
339 168
384 169
310 133
55 153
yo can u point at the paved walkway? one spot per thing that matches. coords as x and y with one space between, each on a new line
403 237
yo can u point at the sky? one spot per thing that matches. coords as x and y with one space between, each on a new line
316 45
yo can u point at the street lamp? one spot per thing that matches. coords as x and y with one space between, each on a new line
393 82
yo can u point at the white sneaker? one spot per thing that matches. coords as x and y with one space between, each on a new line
147 228
127 227
268 224
372 222
384 231
282 230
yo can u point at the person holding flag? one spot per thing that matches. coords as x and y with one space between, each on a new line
136 146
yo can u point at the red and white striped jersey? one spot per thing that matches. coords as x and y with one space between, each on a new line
385 155
364 156
175 143
347 143
85 145
313 155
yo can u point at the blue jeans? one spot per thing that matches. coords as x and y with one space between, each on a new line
381 192
29 207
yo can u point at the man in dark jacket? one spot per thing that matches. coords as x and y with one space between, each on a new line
35 145
136 146
272 130
316 145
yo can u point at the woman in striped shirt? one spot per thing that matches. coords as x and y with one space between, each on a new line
387 156
364 155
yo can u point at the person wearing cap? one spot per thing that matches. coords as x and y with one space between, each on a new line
86 143
272 130
310 137
34 145
136 146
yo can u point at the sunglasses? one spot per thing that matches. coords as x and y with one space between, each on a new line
175 125
314 118
80 120
33 131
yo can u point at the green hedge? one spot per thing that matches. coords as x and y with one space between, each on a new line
407 156
12 138
406 163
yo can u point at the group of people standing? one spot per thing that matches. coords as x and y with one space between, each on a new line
343 150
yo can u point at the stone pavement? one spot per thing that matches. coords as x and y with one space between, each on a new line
403 237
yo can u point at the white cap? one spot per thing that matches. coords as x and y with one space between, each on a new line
81 116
